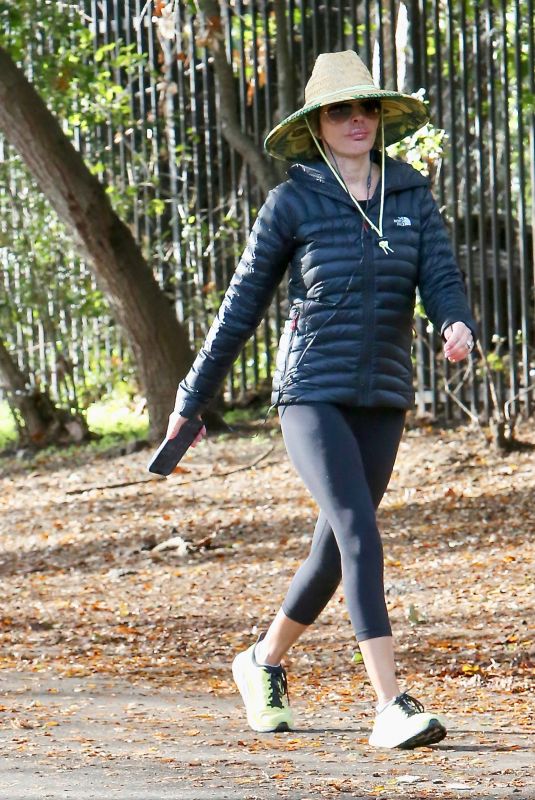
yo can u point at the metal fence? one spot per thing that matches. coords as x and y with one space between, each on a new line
192 200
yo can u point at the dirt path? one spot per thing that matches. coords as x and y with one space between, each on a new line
115 740
114 659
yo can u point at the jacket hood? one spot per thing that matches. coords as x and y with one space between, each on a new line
398 176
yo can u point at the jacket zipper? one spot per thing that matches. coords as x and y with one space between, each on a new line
294 321
367 304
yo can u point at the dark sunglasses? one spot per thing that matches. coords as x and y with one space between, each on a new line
341 112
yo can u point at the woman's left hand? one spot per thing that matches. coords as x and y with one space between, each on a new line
459 341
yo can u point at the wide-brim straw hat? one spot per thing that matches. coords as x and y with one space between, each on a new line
337 77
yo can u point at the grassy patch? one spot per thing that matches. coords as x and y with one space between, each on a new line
252 413
8 429
117 417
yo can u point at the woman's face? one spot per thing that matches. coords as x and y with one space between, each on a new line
350 127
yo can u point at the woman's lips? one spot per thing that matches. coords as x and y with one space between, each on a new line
358 135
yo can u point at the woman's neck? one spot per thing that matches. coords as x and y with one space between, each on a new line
354 169
359 173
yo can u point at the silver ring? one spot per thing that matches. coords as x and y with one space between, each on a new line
470 344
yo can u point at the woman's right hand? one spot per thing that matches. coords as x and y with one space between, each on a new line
176 421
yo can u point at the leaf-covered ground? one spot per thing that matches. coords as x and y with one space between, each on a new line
115 654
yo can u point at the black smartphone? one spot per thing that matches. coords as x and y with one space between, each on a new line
171 451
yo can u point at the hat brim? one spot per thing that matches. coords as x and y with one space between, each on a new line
403 115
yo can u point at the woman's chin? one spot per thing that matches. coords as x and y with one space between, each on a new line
353 149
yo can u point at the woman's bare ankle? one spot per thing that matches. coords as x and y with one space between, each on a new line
264 655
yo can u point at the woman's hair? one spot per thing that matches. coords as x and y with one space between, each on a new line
314 121
376 102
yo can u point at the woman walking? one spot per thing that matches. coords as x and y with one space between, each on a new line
359 232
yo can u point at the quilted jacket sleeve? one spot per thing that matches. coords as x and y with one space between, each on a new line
247 298
439 279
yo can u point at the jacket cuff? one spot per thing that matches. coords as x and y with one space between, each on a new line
186 405
470 323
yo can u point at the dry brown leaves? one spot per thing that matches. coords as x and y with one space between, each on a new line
86 596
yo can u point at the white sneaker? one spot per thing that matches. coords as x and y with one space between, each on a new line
264 691
405 724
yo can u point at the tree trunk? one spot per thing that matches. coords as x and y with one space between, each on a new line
286 102
158 341
415 78
265 171
44 423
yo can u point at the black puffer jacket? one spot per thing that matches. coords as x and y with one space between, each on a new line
349 332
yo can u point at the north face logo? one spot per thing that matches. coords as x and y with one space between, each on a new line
402 221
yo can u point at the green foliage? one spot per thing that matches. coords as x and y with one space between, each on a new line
495 362
419 310
118 414
500 358
116 417
51 298
241 416
8 429
423 150
83 84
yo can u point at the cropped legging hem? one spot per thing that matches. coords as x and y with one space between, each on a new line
362 636
293 616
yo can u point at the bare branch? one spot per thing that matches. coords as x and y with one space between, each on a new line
285 75
214 39
451 394
181 483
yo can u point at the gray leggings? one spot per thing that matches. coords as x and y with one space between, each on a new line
345 456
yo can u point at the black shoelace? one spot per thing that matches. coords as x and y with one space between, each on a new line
410 705
278 686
